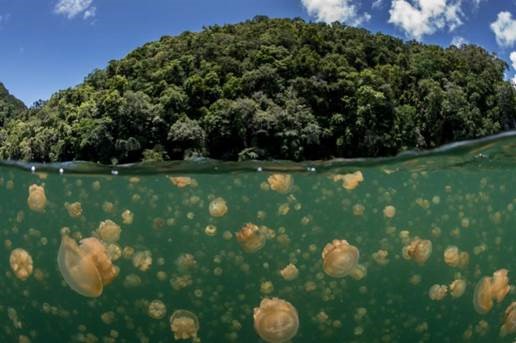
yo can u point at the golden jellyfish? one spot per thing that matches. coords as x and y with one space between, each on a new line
86 268
157 309
339 258
350 181
127 217
276 320
74 209
218 207
142 260
250 238
37 199
452 256
381 257
290 272
359 272
482 298
184 324
438 292
500 285
21 263
281 183
182 181
389 211
109 231
457 288
509 320
418 250
185 262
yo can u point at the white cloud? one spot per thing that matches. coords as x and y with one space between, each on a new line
513 59
423 17
71 8
377 4
513 81
476 3
458 41
90 12
330 11
504 29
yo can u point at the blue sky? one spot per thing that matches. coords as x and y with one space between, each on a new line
47 45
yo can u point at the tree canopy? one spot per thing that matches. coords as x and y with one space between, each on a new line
269 89
9 105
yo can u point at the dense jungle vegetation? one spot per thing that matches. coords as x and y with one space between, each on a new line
9 105
267 89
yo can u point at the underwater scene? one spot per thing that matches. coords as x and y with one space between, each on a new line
416 248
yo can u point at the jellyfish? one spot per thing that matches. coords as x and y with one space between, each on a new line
452 256
142 260
290 272
339 258
185 262
127 217
438 292
276 320
418 250
218 207
457 288
509 320
482 297
109 231
500 285
281 183
37 199
184 324
389 211
381 257
182 181
21 263
359 272
157 309
86 268
250 238
74 209
350 181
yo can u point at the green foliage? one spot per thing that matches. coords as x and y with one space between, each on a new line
267 88
9 106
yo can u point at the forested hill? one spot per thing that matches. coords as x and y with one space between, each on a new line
9 105
269 88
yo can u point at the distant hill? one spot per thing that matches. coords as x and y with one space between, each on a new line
9 105
269 88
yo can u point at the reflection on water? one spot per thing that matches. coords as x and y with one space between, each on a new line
419 248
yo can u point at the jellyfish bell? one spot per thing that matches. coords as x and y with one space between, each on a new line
21 263
452 256
281 183
339 258
109 231
276 320
509 321
418 250
218 207
350 181
37 199
290 272
250 238
438 292
184 324
86 268
457 288
482 296
500 284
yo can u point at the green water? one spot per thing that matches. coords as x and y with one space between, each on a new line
463 196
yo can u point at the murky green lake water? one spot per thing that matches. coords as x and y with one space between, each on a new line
462 196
